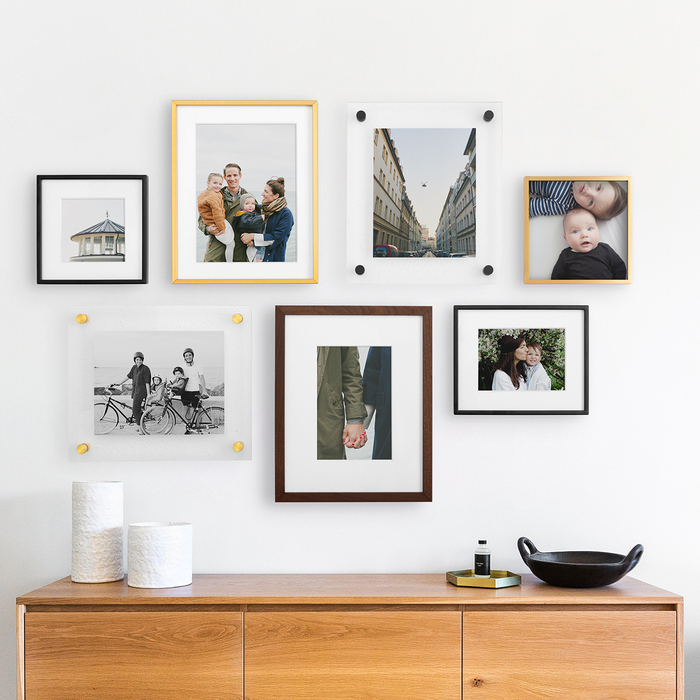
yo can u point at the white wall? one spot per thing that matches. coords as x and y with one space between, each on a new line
606 88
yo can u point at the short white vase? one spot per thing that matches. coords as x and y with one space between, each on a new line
160 555
98 532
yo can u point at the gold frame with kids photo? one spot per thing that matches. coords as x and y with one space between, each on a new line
578 230
264 151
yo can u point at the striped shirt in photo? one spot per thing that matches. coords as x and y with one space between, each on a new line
551 197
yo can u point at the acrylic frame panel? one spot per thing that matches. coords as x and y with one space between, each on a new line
231 324
300 332
482 268
476 330
190 115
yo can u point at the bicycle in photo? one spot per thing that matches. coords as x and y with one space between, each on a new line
160 419
112 413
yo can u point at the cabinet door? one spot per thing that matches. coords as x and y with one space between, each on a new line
411 655
577 655
133 655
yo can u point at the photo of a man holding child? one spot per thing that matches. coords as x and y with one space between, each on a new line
577 230
246 196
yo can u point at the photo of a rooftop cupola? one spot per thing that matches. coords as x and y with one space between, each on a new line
102 242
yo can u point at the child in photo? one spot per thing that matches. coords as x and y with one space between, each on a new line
210 204
536 376
586 258
178 384
604 199
250 220
158 387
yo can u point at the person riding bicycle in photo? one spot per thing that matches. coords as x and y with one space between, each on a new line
140 376
195 378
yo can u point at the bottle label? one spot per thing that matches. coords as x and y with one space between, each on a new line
482 564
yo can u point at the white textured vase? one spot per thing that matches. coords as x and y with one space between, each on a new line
98 531
160 555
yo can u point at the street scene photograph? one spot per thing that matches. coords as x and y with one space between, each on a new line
158 383
424 193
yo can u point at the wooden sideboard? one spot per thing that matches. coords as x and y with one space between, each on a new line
361 636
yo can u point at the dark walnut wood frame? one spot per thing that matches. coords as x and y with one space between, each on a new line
426 312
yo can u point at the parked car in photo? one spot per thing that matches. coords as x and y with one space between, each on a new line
386 251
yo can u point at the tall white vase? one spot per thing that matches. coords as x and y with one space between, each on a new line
98 531
160 555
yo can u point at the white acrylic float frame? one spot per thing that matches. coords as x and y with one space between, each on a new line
52 190
360 193
186 115
469 400
408 475
196 448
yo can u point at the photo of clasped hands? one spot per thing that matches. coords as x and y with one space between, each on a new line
355 434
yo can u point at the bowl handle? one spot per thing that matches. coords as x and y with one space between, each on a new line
632 559
525 542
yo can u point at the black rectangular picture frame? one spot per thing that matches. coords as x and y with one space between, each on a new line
459 408
40 226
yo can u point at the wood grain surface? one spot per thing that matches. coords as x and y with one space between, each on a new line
586 655
133 656
341 589
353 655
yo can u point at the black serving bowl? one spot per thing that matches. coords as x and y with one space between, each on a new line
578 569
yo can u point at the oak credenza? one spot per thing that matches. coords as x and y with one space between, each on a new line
360 636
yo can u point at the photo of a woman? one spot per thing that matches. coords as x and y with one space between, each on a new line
521 359
140 376
278 222
510 372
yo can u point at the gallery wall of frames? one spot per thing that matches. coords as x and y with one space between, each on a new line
348 302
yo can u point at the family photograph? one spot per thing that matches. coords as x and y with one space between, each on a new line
578 230
159 383
246 193
521 359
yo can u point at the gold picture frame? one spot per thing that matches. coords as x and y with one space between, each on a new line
544 242
206 134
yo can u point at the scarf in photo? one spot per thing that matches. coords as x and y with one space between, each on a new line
273 207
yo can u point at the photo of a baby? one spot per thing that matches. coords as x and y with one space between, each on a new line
593 216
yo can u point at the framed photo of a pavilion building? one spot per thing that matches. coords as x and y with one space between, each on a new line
92 229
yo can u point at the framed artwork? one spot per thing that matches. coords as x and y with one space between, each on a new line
412 181
92 229
151 384
578 230
353 403
244 191
520 360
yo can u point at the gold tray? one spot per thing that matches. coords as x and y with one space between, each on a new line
498 579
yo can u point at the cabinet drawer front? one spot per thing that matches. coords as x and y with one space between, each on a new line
577 655
133 655
348 655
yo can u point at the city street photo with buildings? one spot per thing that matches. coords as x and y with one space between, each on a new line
424 188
